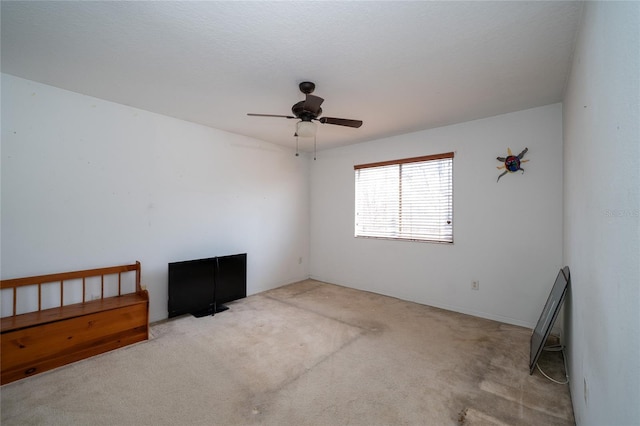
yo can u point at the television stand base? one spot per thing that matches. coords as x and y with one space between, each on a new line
202 313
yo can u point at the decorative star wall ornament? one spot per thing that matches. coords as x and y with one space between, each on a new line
512 162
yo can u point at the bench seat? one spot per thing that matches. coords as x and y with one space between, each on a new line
61 313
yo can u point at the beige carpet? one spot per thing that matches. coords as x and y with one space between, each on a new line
305 354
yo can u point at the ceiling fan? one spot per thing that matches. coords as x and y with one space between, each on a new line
308 111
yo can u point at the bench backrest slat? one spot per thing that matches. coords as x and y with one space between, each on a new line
38 280
64 276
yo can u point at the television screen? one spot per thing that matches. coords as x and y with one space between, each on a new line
548 316
191 287
231 279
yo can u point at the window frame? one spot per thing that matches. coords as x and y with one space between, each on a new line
400 162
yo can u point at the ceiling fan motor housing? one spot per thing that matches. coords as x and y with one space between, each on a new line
299 111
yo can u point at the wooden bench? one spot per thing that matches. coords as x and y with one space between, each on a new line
44 339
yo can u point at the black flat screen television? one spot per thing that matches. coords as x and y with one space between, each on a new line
202 287
548 316
231 279
192 287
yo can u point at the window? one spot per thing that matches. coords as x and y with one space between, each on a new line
408 199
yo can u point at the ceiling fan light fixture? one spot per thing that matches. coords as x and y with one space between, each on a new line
306 129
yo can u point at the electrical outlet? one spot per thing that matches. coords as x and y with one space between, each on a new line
475 285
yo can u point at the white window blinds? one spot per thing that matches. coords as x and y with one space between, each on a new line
408 199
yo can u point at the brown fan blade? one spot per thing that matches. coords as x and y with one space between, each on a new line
341 122
312 104
270 115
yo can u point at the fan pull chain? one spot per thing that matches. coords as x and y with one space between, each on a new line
314 148
297 155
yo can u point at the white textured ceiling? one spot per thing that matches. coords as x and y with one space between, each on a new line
398 66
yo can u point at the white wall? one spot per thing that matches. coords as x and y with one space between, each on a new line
88 183
508 235
602 216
